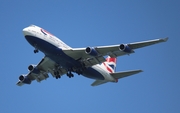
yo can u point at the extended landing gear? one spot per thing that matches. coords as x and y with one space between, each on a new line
36 51
57 77
56 73
69 74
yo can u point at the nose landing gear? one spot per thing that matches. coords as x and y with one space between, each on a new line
36 51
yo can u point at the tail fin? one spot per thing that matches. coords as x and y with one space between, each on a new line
110 64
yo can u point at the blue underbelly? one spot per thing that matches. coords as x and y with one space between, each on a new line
57 55
93 74
53 52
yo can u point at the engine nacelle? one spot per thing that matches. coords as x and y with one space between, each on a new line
24 79
125 48
91 51
33 69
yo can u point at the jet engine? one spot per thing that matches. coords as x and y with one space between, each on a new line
33 69
24 79
91 51
125 48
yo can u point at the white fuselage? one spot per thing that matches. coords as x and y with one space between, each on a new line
39 33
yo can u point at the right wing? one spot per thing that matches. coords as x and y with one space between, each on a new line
137 45
40 72
94 55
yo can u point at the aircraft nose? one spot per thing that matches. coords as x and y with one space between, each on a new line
26 31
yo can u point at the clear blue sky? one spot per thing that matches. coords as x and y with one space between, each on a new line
82 23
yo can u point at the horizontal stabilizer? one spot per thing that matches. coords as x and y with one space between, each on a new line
119 75
98 82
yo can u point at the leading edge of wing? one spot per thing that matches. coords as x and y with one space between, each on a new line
114 49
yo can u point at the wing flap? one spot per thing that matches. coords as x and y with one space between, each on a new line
119 75
93 61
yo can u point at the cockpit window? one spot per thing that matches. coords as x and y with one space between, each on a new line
32 26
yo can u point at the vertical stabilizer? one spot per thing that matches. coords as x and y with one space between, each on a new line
110 64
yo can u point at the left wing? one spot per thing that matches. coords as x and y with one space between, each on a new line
94 55
40 72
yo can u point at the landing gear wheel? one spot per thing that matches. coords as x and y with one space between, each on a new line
70 75
36 51
57 75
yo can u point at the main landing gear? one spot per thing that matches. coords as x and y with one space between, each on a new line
56 73
69 71
69 74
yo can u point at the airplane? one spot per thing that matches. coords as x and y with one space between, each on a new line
89 62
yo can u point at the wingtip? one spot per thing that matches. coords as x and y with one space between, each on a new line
140 70
19 83
165 39
93 85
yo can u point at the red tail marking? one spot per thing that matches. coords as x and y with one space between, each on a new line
107 68
109 59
